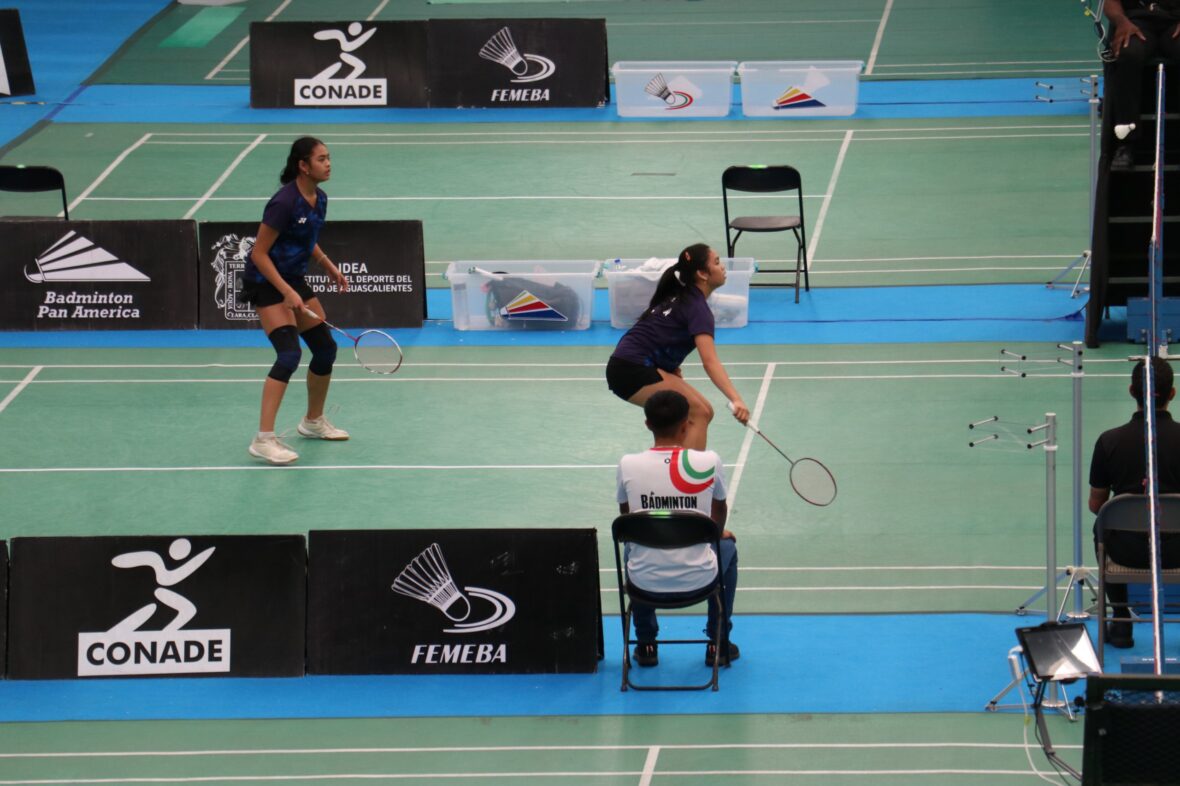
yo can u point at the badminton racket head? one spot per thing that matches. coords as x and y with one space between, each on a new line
377 352
813 482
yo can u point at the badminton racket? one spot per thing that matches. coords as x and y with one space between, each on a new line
812 481
375 350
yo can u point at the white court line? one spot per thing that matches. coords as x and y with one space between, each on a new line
224 176
380 7
818 226
241 44
110 168
987 63
599 774
649 765
748 439
24 383
744 23
879 37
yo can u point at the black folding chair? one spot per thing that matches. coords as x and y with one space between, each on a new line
27 179
663 529
768 180
1129 513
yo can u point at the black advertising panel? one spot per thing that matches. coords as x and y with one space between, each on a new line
352 64
518 63
3 607
16 76
98 275
157 606
383 261
453 602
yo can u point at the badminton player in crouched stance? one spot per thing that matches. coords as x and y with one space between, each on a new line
273 282
670 476
647 358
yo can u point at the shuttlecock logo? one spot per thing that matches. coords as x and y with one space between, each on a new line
500 48
527 306
327 89
674 98
428 579
78 259
127 649
5 88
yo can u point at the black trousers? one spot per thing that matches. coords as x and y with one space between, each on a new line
1124 77
1131 549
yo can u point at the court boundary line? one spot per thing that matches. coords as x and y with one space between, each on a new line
879 38
224 176
20 386
242 44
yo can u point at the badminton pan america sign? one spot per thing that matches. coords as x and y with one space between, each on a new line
453 602
98 275
157 606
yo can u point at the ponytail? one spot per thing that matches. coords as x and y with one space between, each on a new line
300 151
678 278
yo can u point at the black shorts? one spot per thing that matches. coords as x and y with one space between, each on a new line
625 378
261 294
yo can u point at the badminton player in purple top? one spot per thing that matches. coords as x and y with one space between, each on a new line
274 283
677 321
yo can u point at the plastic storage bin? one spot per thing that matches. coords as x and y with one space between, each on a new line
799 88
674 88
631 283
522 294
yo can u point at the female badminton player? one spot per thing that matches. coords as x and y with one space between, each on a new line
677 321
274 283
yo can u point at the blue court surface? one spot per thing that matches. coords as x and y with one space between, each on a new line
789 664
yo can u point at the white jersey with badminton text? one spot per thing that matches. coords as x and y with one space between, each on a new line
671 478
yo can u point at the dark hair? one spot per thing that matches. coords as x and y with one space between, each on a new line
1163 381
665 411
300 151
680 276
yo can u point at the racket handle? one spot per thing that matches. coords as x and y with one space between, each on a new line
309 311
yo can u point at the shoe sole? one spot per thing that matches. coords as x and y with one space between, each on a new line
272 461
313 435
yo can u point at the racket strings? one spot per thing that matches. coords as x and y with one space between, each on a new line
813 482
378 352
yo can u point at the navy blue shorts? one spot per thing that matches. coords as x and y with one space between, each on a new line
261 294
625 378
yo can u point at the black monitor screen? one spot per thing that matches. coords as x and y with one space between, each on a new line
1059 652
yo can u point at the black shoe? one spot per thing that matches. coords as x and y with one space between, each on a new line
1118 635
711 655
647 654
1123 158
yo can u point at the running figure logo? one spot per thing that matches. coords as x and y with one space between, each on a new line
326 89
126 649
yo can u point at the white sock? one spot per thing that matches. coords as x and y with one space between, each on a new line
265 435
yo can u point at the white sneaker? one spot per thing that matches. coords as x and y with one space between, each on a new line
321 428
272 450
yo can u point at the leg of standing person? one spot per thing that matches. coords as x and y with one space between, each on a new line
1123 97
700 411
319 340
278 322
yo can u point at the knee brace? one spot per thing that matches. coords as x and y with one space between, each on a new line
286 343
323 349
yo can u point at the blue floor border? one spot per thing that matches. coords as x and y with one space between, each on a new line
790 664
860 315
